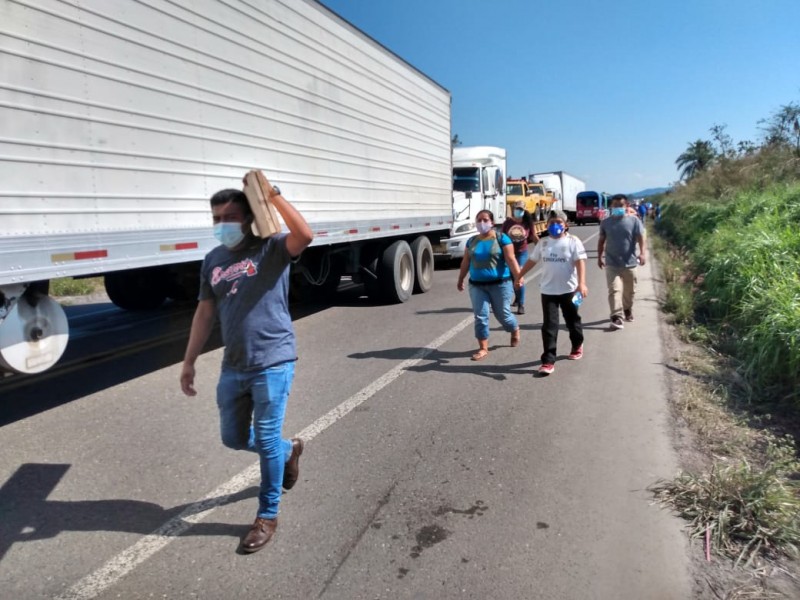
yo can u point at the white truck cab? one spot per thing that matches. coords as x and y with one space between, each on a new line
479 174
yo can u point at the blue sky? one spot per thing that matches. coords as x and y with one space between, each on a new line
611 91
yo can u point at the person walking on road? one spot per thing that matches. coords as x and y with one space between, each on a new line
619 234
245 282
563 259
489 260
519 227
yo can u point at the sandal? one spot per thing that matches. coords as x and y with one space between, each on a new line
515 335
480 354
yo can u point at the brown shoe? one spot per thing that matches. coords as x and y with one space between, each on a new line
260 533
291 472
515 335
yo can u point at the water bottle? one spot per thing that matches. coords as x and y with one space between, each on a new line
577 298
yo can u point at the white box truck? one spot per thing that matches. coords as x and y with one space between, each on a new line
565 188
121 119
479 174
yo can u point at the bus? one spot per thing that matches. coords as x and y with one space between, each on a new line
592 207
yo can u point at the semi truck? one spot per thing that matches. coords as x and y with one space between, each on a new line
478 184
120 120
565 189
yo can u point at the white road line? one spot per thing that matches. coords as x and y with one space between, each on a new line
126 561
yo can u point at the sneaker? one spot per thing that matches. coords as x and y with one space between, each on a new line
576 354
629 315
616 322
546 369
521 309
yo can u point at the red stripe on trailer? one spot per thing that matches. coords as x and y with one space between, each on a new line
427 225
87 254
322 233
395 226
374 228
186 246
352 231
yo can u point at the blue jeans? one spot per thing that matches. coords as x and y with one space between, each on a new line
499 297
519 295
252 405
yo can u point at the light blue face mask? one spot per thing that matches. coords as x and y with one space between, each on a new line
555 229
519 213
229 234
618 211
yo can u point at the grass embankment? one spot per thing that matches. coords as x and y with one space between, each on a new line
729 246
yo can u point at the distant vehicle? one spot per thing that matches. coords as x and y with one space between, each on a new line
592 207
565 188
479 174
537 203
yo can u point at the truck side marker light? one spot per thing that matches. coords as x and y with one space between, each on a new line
181 246
85 255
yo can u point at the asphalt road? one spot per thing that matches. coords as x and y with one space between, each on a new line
425 475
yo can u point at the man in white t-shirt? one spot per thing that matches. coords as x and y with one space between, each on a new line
563 259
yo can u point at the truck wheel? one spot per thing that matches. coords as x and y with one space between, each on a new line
396 272
137 289
423 264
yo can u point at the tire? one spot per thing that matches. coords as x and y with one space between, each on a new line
422 250
137 289
396 272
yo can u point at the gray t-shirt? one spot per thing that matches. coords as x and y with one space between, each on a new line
621 234
251 291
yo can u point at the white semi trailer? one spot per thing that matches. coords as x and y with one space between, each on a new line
121 119
565 188
479 175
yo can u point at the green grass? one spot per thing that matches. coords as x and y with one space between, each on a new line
746 249
68 286
729 247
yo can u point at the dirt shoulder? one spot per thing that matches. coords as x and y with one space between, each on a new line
699 425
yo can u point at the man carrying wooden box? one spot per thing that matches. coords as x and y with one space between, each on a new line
245 281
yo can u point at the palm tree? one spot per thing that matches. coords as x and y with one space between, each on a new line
696 158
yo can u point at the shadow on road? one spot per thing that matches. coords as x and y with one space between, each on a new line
28 515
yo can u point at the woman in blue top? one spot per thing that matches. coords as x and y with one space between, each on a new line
489 259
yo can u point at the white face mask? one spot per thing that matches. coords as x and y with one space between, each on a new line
484 227
230 234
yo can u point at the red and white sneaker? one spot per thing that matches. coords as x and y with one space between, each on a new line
546 369
576 354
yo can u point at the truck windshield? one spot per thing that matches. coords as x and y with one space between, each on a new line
514 189
537 189
466 179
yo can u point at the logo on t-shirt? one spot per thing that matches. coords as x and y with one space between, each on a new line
244 268
517 233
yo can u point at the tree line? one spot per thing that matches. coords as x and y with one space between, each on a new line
781 129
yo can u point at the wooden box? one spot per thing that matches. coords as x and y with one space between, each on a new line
256 189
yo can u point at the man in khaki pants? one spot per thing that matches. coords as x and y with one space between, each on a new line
619 234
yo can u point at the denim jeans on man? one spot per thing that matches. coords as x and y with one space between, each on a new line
262 395
498 296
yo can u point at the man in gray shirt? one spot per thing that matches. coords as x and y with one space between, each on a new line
245 282
619 234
